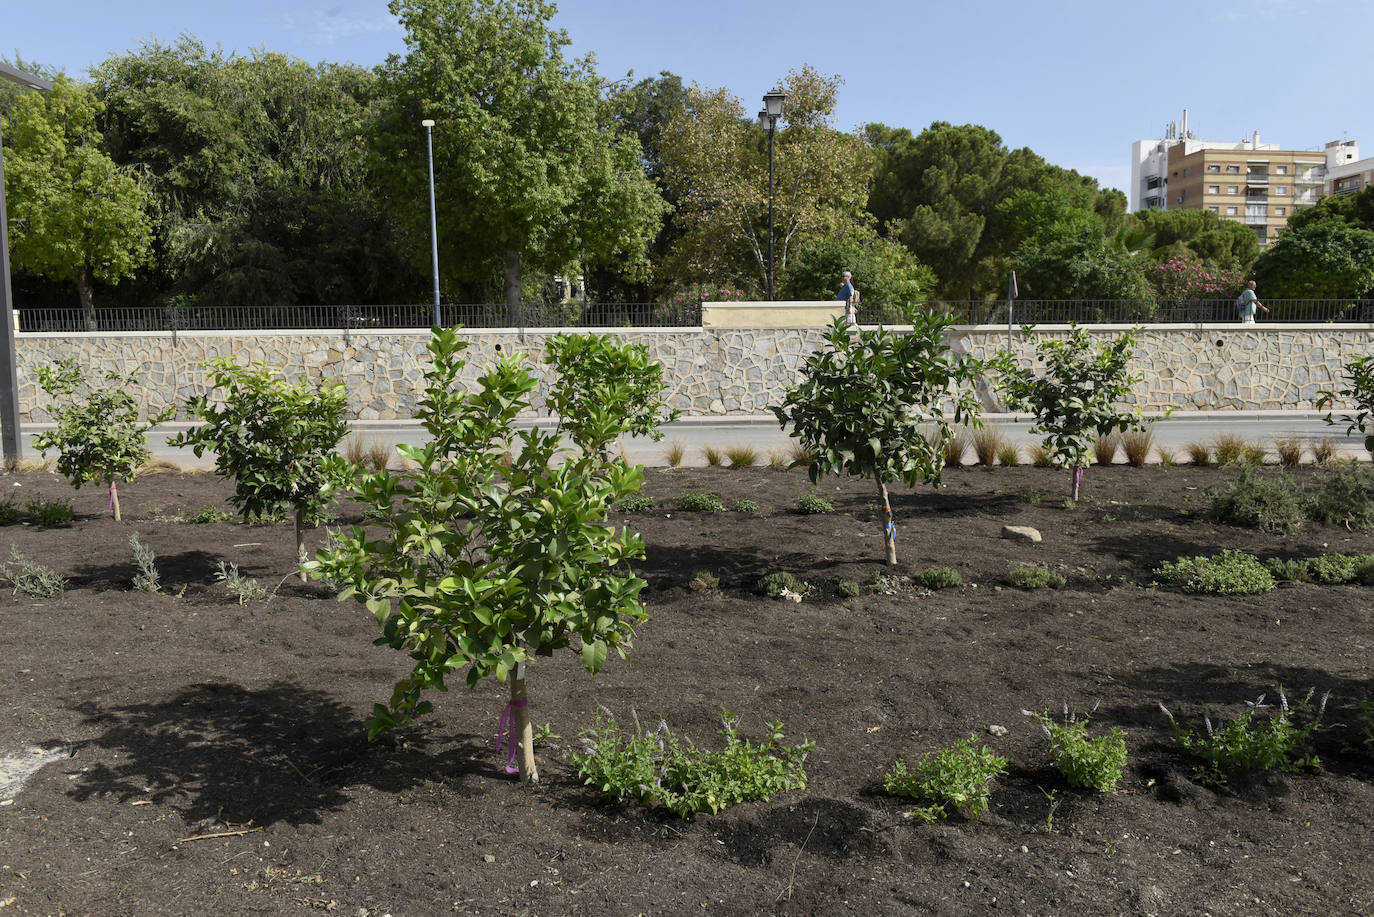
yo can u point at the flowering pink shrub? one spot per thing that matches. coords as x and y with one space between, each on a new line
1188 278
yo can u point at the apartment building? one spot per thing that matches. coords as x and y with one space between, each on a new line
1346 172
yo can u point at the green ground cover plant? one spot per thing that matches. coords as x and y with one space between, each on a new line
636 503
774 584
49 513
1341 496
744 505
209 515
812 503
1231 572
1034 576
848 589
661 769
31 578
1252 741
939 578
1086 763
9 513
696 501
958 777
1270 503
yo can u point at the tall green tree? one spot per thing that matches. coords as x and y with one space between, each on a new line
74 214
1327 259
1158 235
885 272
259 172
715 160
530 175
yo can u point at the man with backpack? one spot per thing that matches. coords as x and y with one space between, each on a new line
1246 303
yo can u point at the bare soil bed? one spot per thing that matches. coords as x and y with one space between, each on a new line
185 715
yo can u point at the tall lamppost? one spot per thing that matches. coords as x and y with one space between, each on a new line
428 125
10 441
768 120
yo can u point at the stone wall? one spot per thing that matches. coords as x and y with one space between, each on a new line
709 371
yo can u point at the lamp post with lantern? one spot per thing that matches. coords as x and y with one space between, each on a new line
428 125
768 120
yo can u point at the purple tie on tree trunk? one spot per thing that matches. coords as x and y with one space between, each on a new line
504 731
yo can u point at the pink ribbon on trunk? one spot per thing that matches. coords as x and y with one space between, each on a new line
507 735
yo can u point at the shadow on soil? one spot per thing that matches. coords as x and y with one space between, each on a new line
182 567
281 753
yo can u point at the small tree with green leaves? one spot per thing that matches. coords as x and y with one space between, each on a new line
865 397
496 549
273 438
100 435
621 378
1359 390
1075 401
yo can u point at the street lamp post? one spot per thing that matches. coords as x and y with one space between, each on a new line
768 119
11 443
428 125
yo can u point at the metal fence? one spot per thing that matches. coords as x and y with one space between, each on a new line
679 314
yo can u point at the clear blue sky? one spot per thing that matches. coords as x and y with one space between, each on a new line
1075 80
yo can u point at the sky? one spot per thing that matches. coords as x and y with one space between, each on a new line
1077 81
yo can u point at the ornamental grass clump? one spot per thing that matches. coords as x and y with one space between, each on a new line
742 456
986 443
1086 763
958 777
1289 450
1271 504
1252 741
1105 448
1229 573
1009 454
660 769
1137 445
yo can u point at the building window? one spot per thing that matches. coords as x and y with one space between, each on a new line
1230 211
1232 189
1214 209
1281 211
1282 170
1233 170
1214 167
1214 189
1280 189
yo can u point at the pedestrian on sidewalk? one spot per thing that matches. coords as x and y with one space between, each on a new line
1246 304
849 296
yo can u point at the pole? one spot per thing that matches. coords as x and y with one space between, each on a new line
772 128
11 441
433 221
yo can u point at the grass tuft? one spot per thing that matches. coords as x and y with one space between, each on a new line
1106 447
742 456
675 451
1137 445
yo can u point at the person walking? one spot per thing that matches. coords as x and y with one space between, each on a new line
849 296
1247 303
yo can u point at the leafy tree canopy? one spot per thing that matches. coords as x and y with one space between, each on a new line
1324 259
1078 264
885 272
1159 235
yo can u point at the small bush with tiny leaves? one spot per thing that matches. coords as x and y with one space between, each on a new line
812 503
939 578
660 769
848 589
1342 496
696 501
1251 741
773 584
952 778
1229 573
744 505
28 577
49 513
1032 576
636 503
1086 763
1255 501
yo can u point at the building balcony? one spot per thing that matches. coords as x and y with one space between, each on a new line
1256 220
1257 178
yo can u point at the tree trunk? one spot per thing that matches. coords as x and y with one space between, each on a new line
514 314
521 726
300 540
114 501
86 290
1077 479
889 527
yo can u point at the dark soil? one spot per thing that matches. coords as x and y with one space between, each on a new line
187 715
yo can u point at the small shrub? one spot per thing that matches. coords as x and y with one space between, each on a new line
696 501
208 515
1009 454
1034 495
744 505
1228 573
9 513
1041 457
742 456
956 447
704 581
939 578
848 589
1105 448
1199 454
773 585
986 442
1293 570
1230 449
951 778
713 456
636 503
1167 457
244 588
276 514
801 456
1251 742
146 579
1342 497
810 504
1087 764
776 460
660 769
1324 450
1289 449
1270 504
378 456
49 513
675 452
1364 570
31 578
1332 569
1254 454
1137 446
1033 576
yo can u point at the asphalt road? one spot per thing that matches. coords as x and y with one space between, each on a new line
763 433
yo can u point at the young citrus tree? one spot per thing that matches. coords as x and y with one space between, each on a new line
621 378
99 436
1075 401
495 550
273 438
1359 377
865 397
